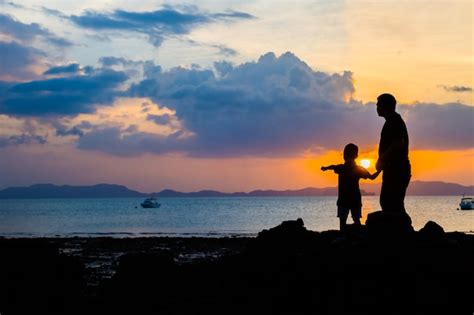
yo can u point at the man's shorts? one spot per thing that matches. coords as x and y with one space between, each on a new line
343 212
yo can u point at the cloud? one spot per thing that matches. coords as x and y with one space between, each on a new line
18 61
280 106
456 88
54 12
274 107
157 25
442 127
61 96
277 105
74 131
112 140
21 139
67 69
160 119
25 33
12 4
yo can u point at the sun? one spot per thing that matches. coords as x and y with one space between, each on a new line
365 163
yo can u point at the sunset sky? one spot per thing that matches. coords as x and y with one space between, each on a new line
229 95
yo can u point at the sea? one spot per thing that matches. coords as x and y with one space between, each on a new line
202 217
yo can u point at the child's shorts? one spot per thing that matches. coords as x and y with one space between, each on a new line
343 212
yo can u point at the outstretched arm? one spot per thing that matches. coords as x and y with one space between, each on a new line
329 167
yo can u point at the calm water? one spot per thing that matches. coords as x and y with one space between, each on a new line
202 216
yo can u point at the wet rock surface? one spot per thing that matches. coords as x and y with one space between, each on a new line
285 270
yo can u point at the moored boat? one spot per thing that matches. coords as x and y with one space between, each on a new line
150 203
466 203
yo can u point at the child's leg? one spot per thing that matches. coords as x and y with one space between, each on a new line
342 223
342 213
356 215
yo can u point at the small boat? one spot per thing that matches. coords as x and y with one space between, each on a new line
467 203
150 203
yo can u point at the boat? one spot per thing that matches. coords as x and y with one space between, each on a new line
150 203
467 203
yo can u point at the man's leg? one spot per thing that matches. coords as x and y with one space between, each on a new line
393 191
387 193
400 185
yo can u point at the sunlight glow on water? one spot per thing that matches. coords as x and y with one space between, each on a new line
203 216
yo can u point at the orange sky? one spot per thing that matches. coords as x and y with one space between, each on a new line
153 173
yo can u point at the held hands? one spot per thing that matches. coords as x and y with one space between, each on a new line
374 175
378 165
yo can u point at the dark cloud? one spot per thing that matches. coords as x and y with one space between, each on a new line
54 12
226 51
74 131
27 32
21 139
71 68
222 49
156 25
16 61
12 4
110 61
61 96
280 106
273 106
77 130
159 119
112 140
457 88
434 126
276 106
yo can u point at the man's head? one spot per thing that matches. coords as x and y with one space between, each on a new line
351 152
386 104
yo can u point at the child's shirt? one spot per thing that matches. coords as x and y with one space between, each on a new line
349 192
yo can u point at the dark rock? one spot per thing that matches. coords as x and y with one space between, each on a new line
382 225
288 237
431 231
35 278
285 270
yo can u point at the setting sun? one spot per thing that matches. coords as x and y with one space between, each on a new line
365 163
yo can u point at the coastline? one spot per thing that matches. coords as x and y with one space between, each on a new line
285 270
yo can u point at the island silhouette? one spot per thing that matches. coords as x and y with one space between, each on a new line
417 188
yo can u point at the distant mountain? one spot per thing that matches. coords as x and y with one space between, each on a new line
330 191
66 191
421 188
118 191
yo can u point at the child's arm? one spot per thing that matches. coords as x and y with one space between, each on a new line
374 175
330 167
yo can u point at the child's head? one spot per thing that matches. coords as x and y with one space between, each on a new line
351 151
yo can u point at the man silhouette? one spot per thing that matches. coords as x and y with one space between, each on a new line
393 156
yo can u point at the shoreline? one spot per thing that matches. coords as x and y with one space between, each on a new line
284 270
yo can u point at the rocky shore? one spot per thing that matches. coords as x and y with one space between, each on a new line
382 268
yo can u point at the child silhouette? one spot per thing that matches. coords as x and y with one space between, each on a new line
349 197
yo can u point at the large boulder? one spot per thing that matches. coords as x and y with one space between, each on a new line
389 225
431 231
288 237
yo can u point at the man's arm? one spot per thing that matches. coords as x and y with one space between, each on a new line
396 145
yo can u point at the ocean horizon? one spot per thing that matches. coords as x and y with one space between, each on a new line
202 216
